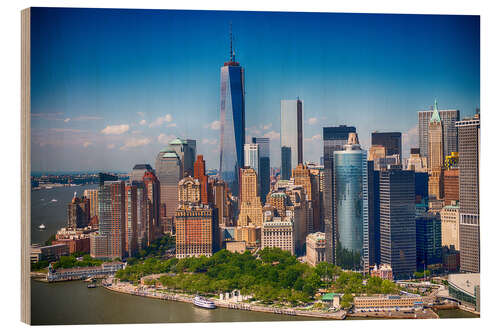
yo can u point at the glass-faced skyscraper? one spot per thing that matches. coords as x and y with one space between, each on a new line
291 129
264 166
232 118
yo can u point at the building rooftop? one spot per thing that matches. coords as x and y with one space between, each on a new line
465 282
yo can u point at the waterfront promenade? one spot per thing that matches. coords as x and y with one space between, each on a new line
128 288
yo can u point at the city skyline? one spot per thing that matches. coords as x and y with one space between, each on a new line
113 97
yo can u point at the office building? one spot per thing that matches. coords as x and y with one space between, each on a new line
371 243
428 241
302 176
186 151
252 156
168 168
279 232
391 141
109 241
152 196
138 172
91 194
291 130
315 248
78 212
451 161
131 218
232 121
468 146
201 175
450 134
435 155
106 177
450 224
286 163
351 204
375 152
264 171
451 186
334 139
196 225
416 162
397 221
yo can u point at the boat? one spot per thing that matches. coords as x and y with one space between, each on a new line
41 227
202 302
54 200
92 285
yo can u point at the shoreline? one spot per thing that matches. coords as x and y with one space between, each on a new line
339 315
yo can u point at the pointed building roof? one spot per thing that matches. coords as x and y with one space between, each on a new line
435 118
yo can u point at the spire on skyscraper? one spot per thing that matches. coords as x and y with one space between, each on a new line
435 114
231 52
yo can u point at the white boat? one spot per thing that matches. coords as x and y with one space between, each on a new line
54 200
202 302
41 227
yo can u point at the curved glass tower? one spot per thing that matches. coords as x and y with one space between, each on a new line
232 118
351 205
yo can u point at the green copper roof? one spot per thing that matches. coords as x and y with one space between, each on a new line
170 154
177 141
435 114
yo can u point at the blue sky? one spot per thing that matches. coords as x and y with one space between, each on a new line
111 87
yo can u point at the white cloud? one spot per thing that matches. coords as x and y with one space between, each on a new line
115 129
410 140
316 137
312 121
111 146
86 144
272 135
67 120
135 142
142 114
143 122
266 127
165 139
215 125
209 141
160 120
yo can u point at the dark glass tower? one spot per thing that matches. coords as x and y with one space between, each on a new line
232 118
264 167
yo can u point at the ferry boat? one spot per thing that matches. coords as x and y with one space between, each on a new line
41 227
54 200
202 302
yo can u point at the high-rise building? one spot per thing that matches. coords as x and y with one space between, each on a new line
250 212
450 223
397 221
197 229
468 146
315 248
450 136
131 206
435 155
279 232
428 240
186 151
78 212
264 171
334 139
391 141
371 244
142 215
109 241
286 163
200 174
252 156
152 207
302 176
451 186
375 152
232 121
168 168
416 162
291 129
351 204
91 194
138 172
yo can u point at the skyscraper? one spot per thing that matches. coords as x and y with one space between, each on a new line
78 212
131 206
397 221
252 156
391 141
186 150
152 207
334 139
286 163
232 121
428 240
168 168
291 129
468 146
200 174
351 204
435 155
138 172
91 194
264 171
450 134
